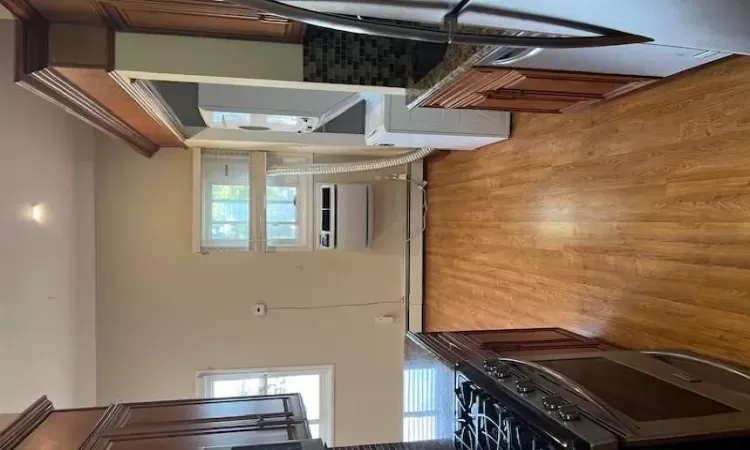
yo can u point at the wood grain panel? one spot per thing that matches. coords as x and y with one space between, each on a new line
185 414
629 221
200 17
63 429
25 423
68 11
532 90
97 84
188 17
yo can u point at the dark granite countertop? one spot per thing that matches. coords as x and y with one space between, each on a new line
457 59
428 383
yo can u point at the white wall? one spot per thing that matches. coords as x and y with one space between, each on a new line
46 271
186 58
163 313
6 419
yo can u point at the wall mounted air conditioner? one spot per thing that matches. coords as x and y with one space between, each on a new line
344 216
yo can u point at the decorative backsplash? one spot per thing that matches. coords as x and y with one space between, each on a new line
338 57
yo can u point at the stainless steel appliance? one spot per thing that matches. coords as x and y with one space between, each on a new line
588 35
602 401
706 24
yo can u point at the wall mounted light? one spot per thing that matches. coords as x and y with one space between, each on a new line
38 213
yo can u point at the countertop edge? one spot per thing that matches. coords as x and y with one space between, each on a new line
457 60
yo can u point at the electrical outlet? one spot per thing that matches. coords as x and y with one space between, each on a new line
259 309
385 319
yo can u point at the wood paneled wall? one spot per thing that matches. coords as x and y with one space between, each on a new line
629 220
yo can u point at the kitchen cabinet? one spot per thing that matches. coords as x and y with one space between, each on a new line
187 17
163 425
389 122
453 347
532 90
527 342
204 414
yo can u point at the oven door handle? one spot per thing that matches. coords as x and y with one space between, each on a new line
679 354
577 388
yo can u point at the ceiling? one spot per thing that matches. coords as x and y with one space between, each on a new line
4 13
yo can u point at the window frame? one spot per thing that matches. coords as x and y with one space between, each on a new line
304 217
202 202
207 218
204 389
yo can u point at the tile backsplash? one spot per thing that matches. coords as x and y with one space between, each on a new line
332 56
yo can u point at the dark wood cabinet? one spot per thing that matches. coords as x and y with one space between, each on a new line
533 341
453 347
190 440
199 18
208 18
62 429
532 90
161 425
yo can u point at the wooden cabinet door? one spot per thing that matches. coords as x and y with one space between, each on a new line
200 423
203 414
201 18
525 336
532 90
194 439
207 18
530 341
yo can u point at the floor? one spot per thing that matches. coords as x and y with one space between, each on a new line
629 221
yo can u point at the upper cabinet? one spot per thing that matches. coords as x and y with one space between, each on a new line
532 90
162 425
208 18
284 411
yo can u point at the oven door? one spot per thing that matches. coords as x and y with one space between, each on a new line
642 398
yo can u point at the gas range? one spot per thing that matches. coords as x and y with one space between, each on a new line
507 411
506 404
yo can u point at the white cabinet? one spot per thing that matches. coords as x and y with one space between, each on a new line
389 122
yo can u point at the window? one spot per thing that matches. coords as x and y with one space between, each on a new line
420 409
230 213
239 208
314 383
282 215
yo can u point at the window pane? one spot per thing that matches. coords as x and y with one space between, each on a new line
315 430
419 390
236 388
420 428
281 212
281 193
223 211
230 192
286 231
306 385
230 231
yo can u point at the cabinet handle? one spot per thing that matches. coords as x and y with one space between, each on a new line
515 55
502 94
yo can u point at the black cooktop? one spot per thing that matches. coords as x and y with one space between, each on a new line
487 418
